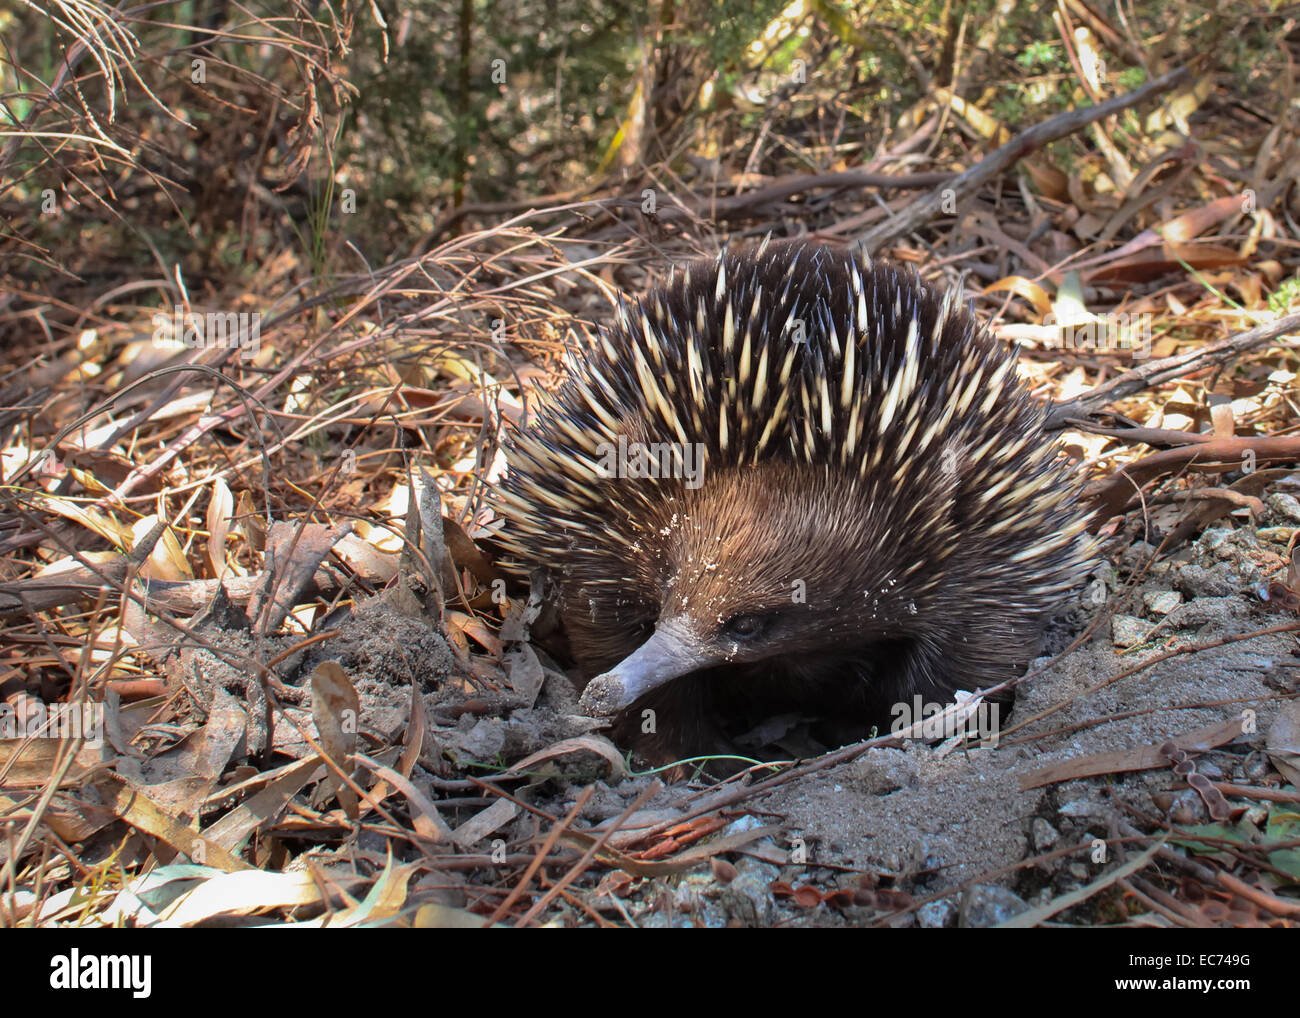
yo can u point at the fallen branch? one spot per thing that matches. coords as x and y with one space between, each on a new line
1152 373
1222 454
187 597
1002 159
792 185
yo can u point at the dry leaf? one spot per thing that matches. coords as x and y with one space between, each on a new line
336 709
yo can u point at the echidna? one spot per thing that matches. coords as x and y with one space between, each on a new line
792 480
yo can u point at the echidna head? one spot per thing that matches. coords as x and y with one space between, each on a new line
785 563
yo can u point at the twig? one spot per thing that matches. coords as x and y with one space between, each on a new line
1152 373
1002 159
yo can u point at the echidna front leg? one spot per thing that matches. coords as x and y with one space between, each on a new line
972 661
676 722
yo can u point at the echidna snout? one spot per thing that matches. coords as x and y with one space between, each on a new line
880 512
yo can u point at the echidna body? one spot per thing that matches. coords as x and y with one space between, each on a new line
879 513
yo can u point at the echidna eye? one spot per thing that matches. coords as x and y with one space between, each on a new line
745 627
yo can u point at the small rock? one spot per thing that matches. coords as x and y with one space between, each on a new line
931 856
1044 834
746 823
987 905
1219 581
668 919
1161 602
937 915
1285 506
1210 769
881 771
1256 766
1206 610
1137 555
481 743
1128 631
1214 539
687 896
1076 808
748 898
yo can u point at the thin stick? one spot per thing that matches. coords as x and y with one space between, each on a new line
1002 159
